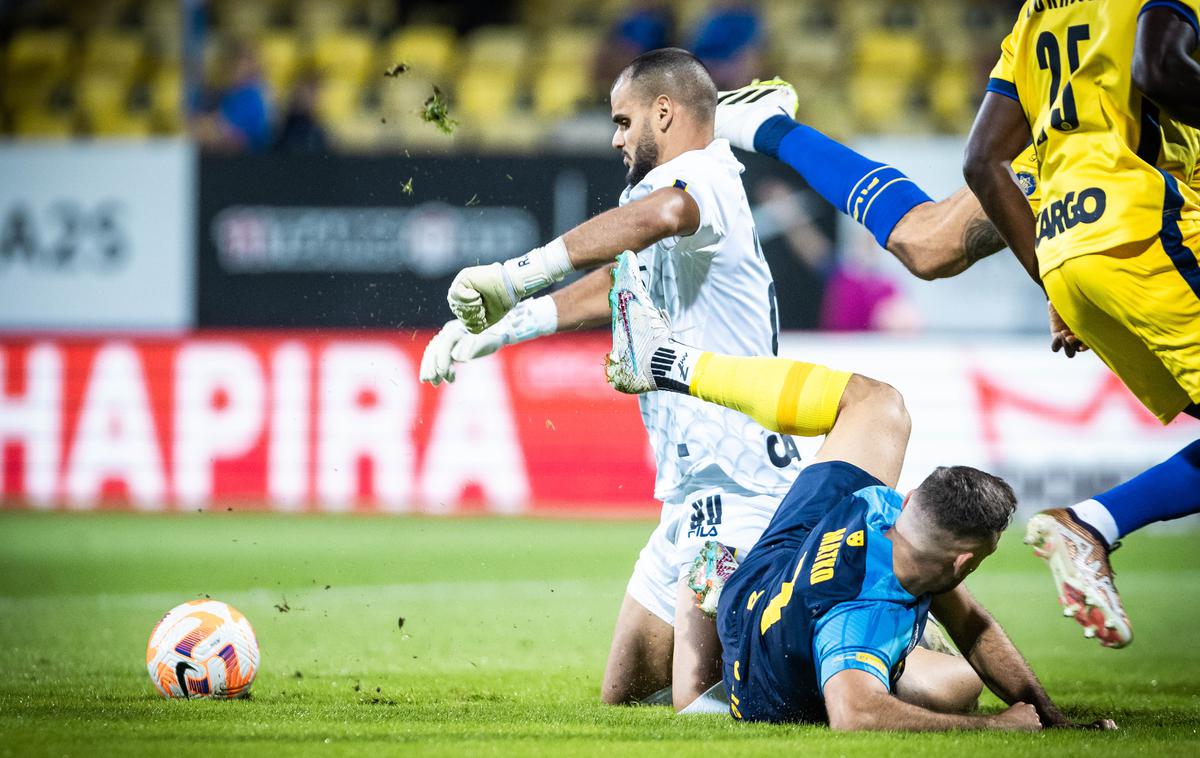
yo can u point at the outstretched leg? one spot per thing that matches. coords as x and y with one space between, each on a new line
933 240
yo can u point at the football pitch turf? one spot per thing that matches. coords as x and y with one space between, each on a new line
506 625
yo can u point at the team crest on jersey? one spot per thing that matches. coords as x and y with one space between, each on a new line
1027 182
706 517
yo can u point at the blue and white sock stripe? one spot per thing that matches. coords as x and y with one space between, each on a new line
890 193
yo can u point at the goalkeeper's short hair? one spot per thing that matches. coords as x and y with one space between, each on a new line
678 74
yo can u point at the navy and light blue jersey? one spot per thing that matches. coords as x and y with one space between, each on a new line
816 596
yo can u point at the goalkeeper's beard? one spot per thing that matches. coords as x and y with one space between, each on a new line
645 158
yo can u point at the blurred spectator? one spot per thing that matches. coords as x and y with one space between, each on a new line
646 25
861 297
843 292
300 131
799 252
240 120
728 41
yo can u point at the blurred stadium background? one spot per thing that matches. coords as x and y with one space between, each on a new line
226 233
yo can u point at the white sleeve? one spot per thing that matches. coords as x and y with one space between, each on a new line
698 183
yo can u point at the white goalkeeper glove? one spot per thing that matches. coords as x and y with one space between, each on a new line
454 344
480 295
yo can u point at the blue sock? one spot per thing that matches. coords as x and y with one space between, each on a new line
873 194
1167 491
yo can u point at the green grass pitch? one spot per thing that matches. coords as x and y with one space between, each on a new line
507 625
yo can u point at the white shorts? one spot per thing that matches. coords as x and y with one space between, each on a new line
736 521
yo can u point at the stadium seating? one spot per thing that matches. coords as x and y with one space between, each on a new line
316 17
337 99
279 55
558 91
101 96
487 94
38 60
866 66
428 49
242 19
344 55
497 47
43 124
166 100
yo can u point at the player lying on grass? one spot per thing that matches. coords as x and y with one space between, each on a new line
822 616
1114 247
719 474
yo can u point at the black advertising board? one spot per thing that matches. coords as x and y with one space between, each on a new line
359 241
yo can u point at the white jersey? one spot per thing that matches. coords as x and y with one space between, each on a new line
717 290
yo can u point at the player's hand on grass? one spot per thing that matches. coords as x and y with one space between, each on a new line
480 296
1061 336
1020 717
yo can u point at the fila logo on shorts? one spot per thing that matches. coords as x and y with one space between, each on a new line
706 517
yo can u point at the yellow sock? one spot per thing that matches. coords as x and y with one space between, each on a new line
786 396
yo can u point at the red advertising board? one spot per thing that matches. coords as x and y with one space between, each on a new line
338 421
326 421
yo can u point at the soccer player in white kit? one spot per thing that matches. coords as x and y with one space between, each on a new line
720 474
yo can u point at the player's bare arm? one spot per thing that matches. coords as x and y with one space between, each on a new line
664 213
943 239
1163 66
857 701
992 654
996 659
481 295
653 126
583 304
999 134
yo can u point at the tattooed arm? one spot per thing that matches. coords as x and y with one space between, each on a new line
943 239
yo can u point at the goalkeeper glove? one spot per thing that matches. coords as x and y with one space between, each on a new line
480 295
454 344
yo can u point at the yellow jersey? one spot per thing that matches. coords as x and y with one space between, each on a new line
1098 144
1179 157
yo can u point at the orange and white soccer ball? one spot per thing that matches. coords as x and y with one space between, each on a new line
203 649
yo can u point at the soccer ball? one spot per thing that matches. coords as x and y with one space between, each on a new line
205 649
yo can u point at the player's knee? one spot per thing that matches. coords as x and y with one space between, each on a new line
615 697
885 402
623 692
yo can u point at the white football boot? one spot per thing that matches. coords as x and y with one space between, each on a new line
639 330
741 111
1078 560
708 574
